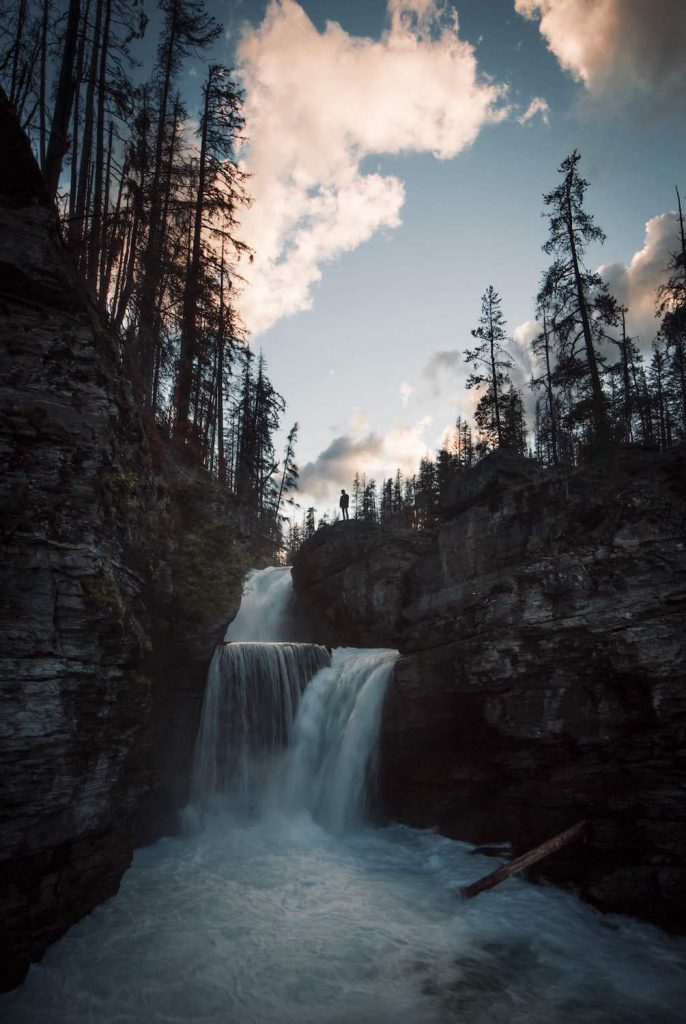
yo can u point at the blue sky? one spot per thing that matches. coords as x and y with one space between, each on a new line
390 247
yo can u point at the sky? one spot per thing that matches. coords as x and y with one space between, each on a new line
399 151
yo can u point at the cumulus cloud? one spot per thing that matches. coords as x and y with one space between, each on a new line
612 45
375 455
537 106
635 284
317 104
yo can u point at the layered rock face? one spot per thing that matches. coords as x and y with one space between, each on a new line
101 690
73 627
543 677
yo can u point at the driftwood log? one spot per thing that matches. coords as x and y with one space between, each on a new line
523 862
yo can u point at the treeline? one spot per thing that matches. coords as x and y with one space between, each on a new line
149 197
594 387
401 502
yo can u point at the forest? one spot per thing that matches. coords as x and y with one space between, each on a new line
149 197
594 388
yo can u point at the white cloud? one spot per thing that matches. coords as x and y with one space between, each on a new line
635 284
537 106
375 455
611 45
406 390
318 103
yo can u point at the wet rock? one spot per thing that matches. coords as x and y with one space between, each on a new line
543 676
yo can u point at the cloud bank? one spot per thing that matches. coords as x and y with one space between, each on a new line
375 455
319 103
635 284
615 45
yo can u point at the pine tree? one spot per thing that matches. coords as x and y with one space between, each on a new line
577 300
671 308
491 364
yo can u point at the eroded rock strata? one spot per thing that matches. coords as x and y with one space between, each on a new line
543 676
105 545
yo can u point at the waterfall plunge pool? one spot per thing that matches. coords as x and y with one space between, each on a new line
278 905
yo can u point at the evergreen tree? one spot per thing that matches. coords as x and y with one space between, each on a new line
577 300
491 364
671 308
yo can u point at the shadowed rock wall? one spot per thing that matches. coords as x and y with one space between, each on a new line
105 549
543 677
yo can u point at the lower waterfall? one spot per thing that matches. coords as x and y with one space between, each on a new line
251 698
283 904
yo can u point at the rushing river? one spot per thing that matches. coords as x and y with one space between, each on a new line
278 904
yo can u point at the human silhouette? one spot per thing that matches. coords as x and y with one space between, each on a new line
344 501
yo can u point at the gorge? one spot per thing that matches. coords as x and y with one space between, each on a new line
280 903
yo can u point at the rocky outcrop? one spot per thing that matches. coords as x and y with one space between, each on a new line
543 676
105 547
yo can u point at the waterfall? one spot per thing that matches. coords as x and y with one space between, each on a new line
284 725
264 611
251 697
292 913
331 759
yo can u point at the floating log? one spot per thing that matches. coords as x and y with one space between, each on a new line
523 862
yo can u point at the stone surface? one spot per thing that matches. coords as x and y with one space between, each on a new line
101 687
543 676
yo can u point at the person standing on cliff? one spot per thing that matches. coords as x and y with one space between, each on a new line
344 501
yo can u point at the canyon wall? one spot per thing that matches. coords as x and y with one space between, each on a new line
543 670
110 548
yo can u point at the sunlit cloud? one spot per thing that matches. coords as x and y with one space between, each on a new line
635 284
615 45
374 455
317 104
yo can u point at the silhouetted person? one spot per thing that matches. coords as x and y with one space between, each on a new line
344 501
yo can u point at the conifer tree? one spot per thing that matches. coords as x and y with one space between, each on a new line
577 300
491 363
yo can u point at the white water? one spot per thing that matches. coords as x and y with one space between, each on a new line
283 908
263 614
251 698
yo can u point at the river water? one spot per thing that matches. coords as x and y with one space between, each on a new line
279 903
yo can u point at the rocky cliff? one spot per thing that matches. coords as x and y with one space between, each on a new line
543 669
106 546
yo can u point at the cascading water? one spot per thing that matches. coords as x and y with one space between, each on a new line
296 913
251 698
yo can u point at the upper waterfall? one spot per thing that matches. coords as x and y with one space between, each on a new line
264 612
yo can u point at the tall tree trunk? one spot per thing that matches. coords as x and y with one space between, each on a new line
42 99
102 254
15 79
151 257
550 393
597 397
58 141
494 372
96 241
191 291
78 225
221 460
78 72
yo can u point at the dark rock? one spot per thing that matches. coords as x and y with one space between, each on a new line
101 688
543 669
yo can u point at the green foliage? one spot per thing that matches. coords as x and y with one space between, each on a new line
208 561
102 592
